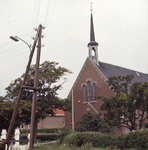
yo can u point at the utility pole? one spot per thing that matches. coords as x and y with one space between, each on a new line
38 37
35 92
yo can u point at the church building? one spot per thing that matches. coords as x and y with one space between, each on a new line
91 82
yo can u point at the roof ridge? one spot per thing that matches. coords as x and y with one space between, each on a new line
122 67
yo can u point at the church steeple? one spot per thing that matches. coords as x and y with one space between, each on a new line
93 45
92 34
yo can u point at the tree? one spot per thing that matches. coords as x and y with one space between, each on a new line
1 98
49 76
47 99
6 110
93 122
129 107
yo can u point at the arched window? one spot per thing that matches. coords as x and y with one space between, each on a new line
89 90
84 93
94 92
93 52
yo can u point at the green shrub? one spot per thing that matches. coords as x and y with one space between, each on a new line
96 139
136 139
49 130
64 133
44 130
48 137
93 122
121 141
25 131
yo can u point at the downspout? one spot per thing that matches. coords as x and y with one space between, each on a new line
72 111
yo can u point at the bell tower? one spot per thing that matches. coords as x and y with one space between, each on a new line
93 45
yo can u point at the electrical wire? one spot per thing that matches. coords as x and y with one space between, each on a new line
6 52
12 52
36 14
38 11
13 57
9 49
47 13
35 19
50 19
10 42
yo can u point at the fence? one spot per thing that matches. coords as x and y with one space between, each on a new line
17 140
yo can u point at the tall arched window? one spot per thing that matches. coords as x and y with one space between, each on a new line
94 92
84 93
89 90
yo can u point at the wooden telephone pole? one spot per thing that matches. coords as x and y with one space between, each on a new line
38 38
35 92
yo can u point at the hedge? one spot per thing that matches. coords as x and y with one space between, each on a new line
49 130
25 131
48 137
134 139
44 130
96 139
137 139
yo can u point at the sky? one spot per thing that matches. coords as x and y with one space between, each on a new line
121 29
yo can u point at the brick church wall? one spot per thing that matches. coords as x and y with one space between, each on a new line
91 73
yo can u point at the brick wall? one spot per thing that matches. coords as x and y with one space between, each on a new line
57 121
52 122
89 72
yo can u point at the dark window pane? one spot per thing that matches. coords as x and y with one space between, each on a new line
89 90
94 92
84 93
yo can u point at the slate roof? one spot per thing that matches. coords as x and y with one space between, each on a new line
113 70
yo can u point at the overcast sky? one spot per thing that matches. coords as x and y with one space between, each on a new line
121 29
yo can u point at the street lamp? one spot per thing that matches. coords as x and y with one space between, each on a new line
16 39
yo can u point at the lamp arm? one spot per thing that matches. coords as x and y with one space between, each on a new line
24 42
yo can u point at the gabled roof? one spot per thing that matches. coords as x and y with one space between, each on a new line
59 111
112 70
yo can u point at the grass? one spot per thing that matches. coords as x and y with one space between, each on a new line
65 147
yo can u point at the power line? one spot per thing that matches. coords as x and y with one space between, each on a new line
15 50
12 57
35 17
7 52
10 49
38 12
50 18
47 13
10 42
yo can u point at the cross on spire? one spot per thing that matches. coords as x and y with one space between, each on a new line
91 5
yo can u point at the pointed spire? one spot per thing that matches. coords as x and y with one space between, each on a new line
92 33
